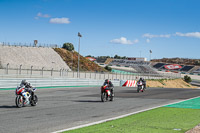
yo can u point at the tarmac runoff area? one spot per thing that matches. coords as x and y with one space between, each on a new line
67 108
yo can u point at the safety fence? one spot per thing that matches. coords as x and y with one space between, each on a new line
25 44
63 73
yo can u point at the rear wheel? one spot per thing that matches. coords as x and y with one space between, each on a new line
111 98
19 101
34 101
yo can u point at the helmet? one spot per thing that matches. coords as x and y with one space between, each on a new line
23 81
107 81
140 78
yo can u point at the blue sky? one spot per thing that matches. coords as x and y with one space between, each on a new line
170 28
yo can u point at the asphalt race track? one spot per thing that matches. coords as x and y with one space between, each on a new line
61 108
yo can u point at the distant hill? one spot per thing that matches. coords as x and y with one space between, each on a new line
182 61
71 58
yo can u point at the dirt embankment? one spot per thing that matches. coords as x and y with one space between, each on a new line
71 59
169 83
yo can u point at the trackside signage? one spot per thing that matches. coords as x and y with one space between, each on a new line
173 66
130 83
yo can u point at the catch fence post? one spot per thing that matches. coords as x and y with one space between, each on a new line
20 69
42 70
60 72
7 68
31 70
99 75
52 72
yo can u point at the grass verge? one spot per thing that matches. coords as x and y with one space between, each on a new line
160 120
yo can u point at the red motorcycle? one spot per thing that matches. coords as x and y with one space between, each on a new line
106 94
22 95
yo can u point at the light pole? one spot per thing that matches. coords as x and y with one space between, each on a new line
79 35
150 55
72 59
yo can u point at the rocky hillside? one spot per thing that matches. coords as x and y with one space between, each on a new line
71 58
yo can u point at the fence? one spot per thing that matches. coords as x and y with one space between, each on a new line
30 44
41 73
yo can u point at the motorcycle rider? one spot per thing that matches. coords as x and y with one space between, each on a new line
28 87
143 82
110 86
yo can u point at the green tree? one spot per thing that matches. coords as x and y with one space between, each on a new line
88 56
197 62
187 79
108 68
68 46
116 57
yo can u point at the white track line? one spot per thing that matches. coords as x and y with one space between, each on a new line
121 116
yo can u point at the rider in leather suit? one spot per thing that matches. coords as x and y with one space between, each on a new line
110 86
28 86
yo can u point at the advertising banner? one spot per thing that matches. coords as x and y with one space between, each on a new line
173 66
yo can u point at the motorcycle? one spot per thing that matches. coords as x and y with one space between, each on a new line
22 95
106 94
140 86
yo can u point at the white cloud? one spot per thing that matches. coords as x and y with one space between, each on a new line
36 17
123 40
191 34
136 41
148 40
147 35
43 15
59 20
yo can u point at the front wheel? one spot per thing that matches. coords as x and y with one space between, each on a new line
103 96
34 100
112 96
19 101
138 89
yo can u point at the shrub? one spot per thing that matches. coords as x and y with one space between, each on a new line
68 46
108 68
187 79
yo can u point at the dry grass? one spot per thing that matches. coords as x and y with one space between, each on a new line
170 83
71 59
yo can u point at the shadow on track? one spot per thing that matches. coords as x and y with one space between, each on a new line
88 101
7 107
128 91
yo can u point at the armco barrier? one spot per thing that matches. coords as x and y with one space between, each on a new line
52 82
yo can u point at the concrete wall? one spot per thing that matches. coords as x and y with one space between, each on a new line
53 82
18 57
